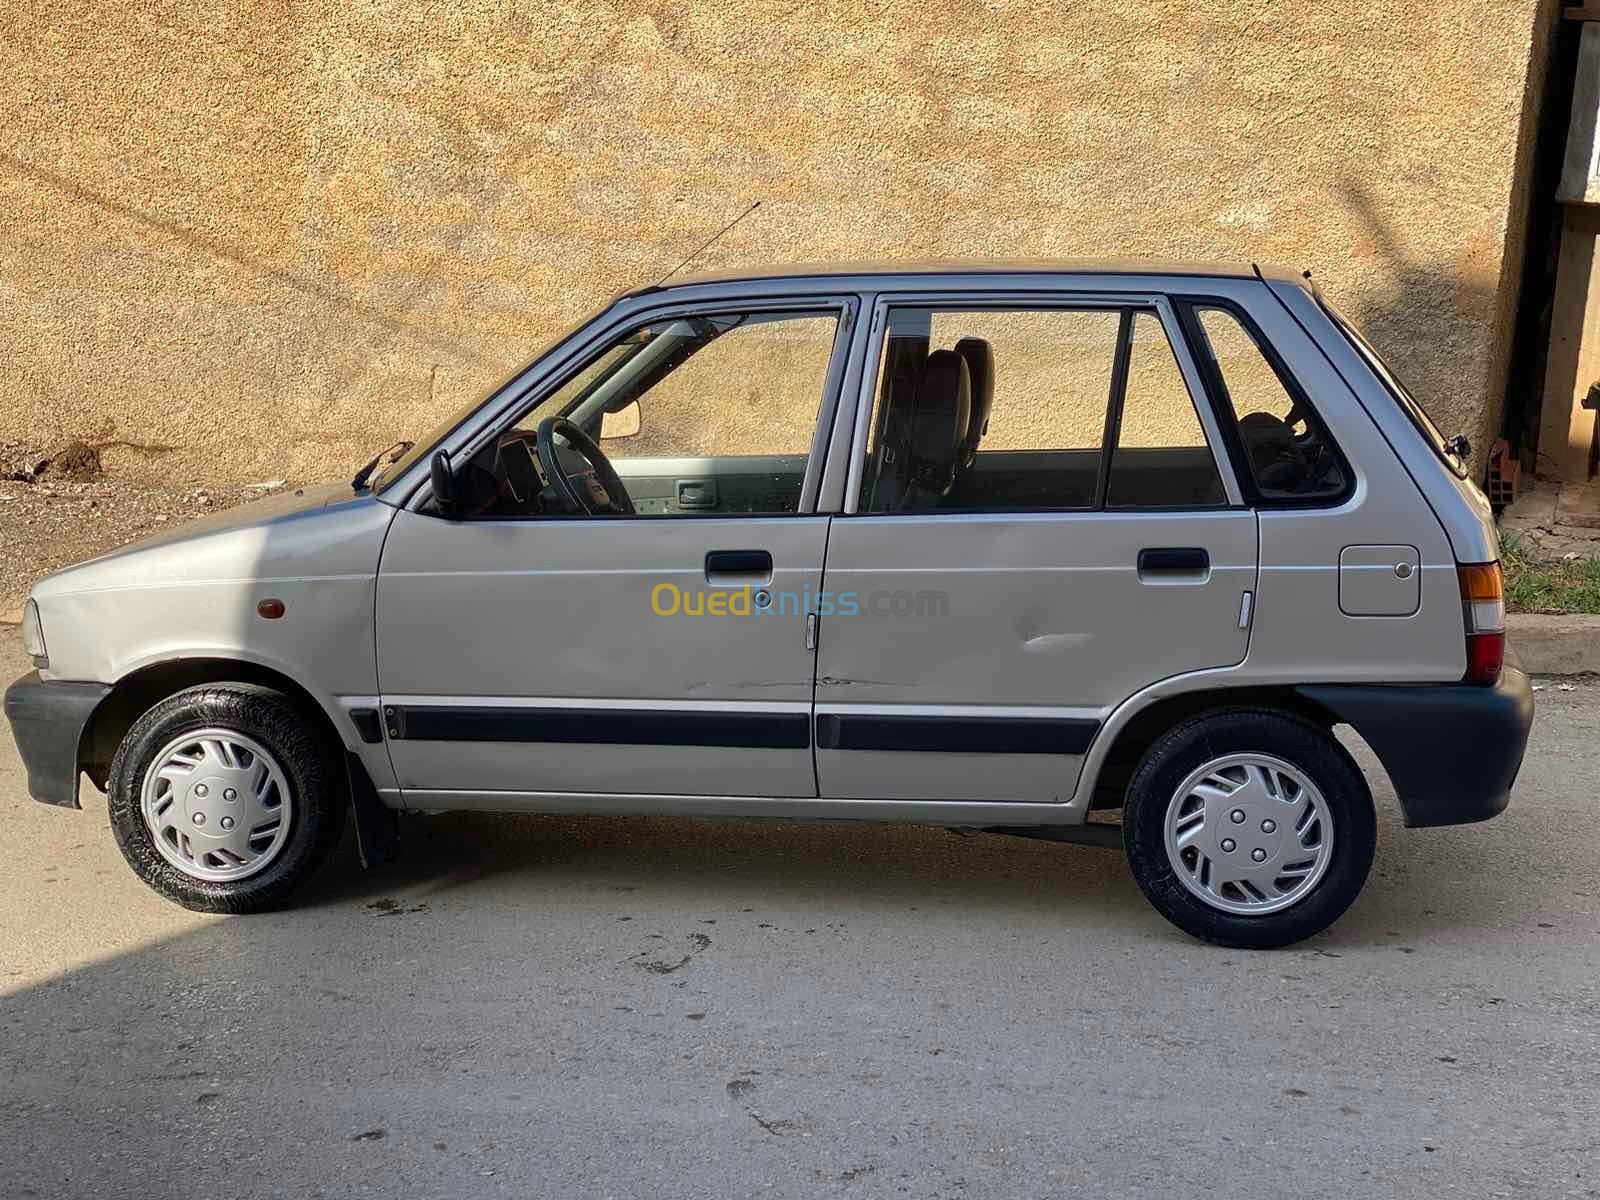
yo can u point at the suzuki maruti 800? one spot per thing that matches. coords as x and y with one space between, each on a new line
988 547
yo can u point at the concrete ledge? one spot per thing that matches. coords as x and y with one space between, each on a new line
1563 645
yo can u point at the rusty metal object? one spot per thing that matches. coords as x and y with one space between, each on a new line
1505 475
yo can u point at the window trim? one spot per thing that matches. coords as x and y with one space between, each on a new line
508 410
1227 417
1199 402
1127 304
1121 358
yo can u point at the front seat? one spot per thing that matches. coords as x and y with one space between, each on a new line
937 430
979 356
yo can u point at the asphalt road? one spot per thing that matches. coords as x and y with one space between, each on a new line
560 1007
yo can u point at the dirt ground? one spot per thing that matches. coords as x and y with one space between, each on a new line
52 521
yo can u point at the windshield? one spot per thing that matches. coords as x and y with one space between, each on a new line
1402 394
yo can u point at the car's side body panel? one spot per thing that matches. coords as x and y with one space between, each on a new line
194 595
482 617
1016 610
1301 633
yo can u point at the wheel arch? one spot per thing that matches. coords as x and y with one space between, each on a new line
1130 738
135 693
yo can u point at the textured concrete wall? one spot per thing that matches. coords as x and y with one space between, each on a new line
271 239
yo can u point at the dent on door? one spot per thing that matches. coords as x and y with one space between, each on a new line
1014 636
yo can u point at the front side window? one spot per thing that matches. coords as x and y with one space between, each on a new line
694 415
1012 409
1290 456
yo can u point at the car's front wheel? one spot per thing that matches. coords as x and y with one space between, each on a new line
223 799
1249 828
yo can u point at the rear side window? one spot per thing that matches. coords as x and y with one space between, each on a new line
1161 459
990 409
1289 455
1043 409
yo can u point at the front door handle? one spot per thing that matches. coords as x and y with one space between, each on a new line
697 493
739 566
1173 560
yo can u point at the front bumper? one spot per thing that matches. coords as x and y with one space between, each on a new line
47 719
1451 750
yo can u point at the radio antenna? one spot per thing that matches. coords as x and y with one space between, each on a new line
709 243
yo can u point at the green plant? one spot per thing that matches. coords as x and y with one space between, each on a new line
1567 586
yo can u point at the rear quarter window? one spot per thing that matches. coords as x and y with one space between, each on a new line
1282 446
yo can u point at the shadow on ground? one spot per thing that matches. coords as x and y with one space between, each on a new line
551 1005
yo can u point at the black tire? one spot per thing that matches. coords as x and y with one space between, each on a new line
317 793
1310 749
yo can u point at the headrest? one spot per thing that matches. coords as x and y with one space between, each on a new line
944 410
979 357
1274 458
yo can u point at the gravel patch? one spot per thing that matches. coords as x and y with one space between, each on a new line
51 521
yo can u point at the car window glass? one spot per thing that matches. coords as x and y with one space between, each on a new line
990 409
753 390
1289 453
697 415
1161 459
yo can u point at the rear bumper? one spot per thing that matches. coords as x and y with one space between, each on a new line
1452 750
47 719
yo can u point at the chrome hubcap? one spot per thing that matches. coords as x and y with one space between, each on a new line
1249 834
217 804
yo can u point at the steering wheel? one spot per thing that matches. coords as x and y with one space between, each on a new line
605 495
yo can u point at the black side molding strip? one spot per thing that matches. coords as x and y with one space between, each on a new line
599 726
366 722
956 735
745 730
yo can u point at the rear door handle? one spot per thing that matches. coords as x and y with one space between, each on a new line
1173 560
738 566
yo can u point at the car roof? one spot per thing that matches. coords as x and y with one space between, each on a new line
904 268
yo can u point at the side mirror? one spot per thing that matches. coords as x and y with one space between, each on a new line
443 482
624 423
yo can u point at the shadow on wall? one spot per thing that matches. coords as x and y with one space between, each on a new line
328 298
228 334
1431 322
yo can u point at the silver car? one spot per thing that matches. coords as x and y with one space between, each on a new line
984 546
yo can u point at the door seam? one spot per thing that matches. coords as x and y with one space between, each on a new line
816 656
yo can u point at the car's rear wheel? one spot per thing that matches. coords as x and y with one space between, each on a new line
224 799
1249 828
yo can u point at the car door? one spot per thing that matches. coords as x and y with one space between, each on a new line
526 652
1036 527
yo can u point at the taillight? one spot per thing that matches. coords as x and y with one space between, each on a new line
1483 611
